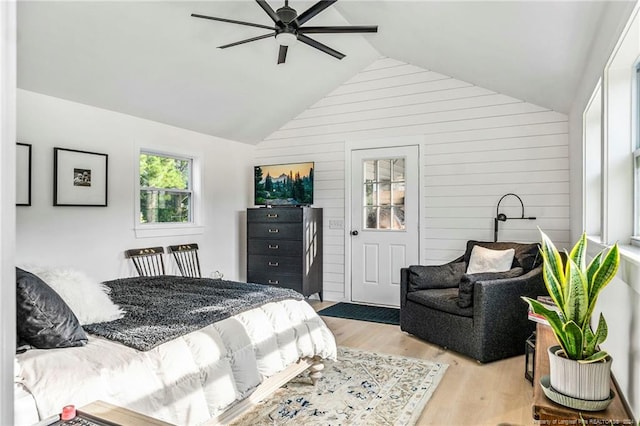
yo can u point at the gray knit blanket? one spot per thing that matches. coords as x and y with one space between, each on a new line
159 309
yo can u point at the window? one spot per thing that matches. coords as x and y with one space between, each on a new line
166 189
636 163
592 134
384 187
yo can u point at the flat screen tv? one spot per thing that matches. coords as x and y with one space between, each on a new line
284 184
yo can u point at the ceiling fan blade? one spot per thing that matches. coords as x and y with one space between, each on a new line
282 54
314 10
329 30
245 41
232 21
265 6
326 49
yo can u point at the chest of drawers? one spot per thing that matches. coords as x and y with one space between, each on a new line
284 248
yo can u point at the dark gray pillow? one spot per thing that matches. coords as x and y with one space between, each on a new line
435 276
43 319
465 293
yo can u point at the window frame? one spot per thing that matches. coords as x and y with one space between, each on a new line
593 144
195 225
635 237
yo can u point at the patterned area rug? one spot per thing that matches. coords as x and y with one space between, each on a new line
363 313
361 388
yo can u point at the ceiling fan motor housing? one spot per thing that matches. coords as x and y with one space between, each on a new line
287 14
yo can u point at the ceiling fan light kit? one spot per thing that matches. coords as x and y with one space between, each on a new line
286 39
288 28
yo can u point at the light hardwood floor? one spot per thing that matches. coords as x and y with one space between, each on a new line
469 394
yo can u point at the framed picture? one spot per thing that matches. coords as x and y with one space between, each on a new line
23 174
79 178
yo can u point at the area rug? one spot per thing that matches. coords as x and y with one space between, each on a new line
363 313
360 388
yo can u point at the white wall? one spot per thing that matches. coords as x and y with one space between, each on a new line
620 300
93 239
477 145
7 206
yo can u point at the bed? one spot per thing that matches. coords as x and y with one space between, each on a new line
220 348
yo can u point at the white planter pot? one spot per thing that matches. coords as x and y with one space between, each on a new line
591 382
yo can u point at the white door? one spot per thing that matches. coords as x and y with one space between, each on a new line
384 221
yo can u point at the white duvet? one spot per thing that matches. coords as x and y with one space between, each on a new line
187 380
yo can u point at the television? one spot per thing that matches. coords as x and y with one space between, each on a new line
283 184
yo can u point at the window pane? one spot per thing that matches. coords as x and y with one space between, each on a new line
369 194
398 170
164 206
384 170
398 194
384 195
371 217
369 168
158 171
384 220
397 221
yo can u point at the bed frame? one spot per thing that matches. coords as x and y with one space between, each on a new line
267 387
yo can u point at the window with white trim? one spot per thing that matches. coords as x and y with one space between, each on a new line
592 134
166 189
635 239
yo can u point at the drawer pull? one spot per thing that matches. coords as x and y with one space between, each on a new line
274 282
274 231
274 246
272 215
274 263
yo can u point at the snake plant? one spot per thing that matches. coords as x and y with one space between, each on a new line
574 288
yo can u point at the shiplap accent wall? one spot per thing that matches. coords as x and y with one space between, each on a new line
476 144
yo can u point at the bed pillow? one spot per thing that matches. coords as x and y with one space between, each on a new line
88 299
487 260
43 319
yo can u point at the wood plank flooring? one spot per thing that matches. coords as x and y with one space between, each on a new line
469 394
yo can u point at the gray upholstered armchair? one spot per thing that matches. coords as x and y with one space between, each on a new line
479 315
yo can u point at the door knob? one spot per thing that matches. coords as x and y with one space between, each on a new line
354 233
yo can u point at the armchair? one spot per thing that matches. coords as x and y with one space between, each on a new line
479 315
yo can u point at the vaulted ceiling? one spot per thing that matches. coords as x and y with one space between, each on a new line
151 59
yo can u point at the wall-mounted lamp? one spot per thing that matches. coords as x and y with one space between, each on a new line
501 217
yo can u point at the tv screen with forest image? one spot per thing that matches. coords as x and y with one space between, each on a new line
284 184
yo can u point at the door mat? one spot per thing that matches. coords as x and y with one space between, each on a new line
363 313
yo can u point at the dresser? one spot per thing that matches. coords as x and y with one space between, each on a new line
284 248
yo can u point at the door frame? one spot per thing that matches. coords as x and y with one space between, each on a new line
388 142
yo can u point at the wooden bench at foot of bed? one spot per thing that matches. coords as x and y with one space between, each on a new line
267 387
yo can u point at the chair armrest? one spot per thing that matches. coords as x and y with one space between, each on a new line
502 297
404 286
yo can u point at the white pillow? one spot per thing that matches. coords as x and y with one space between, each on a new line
88 299
487 260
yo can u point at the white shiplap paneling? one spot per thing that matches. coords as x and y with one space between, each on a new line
477 145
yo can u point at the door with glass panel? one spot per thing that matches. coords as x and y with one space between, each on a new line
384 221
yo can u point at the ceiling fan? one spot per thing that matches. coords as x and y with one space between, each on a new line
288 28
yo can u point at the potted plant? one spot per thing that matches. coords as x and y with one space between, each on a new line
578 368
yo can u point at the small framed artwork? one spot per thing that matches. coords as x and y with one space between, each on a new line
23 174
79 178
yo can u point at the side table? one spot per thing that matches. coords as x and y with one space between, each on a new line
548 412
